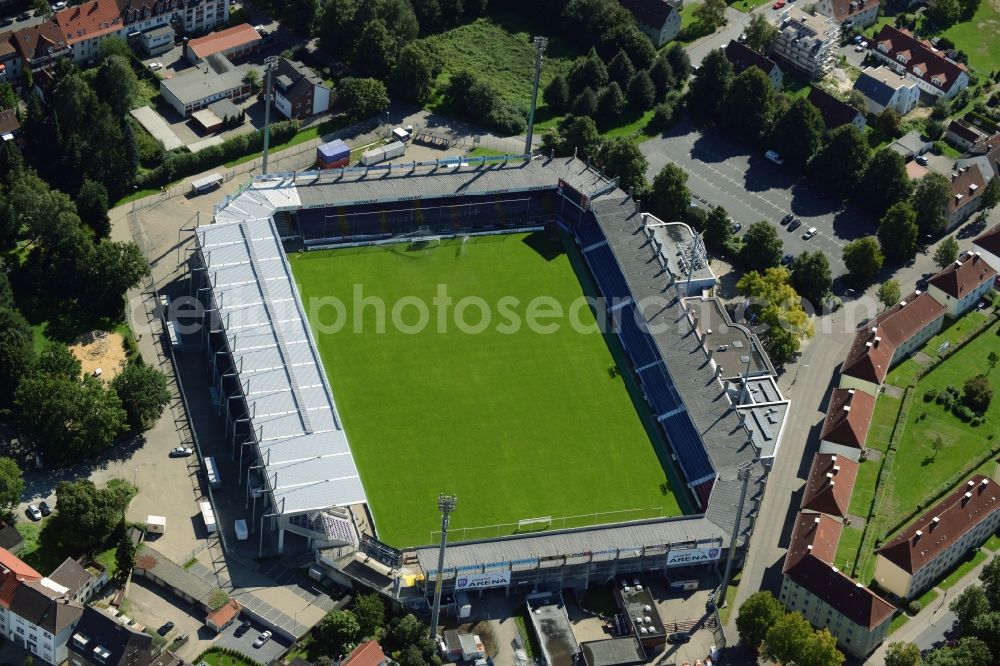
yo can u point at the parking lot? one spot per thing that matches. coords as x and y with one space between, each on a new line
751 188
233 638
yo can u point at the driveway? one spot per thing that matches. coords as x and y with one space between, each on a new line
752 189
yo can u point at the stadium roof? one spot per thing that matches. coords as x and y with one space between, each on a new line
299 437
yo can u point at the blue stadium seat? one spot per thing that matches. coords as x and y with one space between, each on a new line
609 277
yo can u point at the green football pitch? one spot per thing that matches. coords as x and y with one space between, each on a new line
517 422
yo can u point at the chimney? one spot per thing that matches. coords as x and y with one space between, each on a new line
850 391
970 483
902 303
966 497
836 468
829 475
816 520
916 537
847 408
972 189
934 522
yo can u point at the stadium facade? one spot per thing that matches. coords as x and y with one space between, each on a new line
706 381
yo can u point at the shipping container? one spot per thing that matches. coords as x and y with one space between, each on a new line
386 152
211 181
334 154
208 516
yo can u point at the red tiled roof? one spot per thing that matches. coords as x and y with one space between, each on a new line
8 121
901 42
12 573
814 534
224 614
989 241
964 275
869 355
742 56
38 40
967 506
368 653
89 20
966 188
223 40
855 601
842 9
651 12
848 417
828 488
908 317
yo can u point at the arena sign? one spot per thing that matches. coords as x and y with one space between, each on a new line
677 558
479 581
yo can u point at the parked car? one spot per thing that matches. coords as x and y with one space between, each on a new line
735 226
787 259
921 160
181 452
778 5
58 5
24 16
864 44
812 231
243 628
33 512
678 638
858 48
794 224
775 157
153 66
857 39
165 629
7 20
263 638
786 219
44 508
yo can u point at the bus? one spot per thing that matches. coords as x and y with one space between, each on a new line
212 473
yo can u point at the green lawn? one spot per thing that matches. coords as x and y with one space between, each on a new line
518 424
993 543
980 37
214 657
864 488
956 333
847 547
687 14
749 5
883 419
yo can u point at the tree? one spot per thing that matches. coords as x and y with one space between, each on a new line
92 207
669 196
363 98
762 247
413 77
898 232
798 134
991 195
991 361
87 515
821 650
710 86
709 15
936 446
749 103
888 122
718 228
251 77
989 576
889 293
930 197
642 92
787 638
111 46
662 75
579 133
620 156
11 486
379 50
556 94
986 627
947 252
370 613
17 353
588 72
759 612
143 392
620 69
885 181
56 360
300 15
902 654
337 632
611 102
406 630
125 555
112 269
945 12
811 276
842 160
969 605
977 393
679 60
968 652
8 98
585 103
117 84
759 33
863 258
781 319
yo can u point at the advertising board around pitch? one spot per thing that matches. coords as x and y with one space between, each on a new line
481 581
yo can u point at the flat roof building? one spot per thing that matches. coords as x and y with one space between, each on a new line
211 80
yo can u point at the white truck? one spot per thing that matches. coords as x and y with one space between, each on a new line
383 153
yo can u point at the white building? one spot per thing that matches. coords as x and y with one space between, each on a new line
988 247
850 13
807 43
885 89
659 19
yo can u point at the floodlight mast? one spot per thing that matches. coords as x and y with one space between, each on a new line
540 44
270 63
446 504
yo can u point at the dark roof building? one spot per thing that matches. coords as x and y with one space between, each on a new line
10 538
829 486
299 92
853 600
625 651
848 418
935 73
835 113
659 19
100 640
71 575
45 607
988 245
742 56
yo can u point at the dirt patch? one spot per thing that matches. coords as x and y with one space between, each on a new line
100 350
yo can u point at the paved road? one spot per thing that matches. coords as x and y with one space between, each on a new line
751 189
736 23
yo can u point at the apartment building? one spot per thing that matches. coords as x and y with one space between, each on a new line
848 418
102 640
835 113
885 89
806 43
659 19
830 484
742 57
987 246
960 285
850 13
967 186
929 68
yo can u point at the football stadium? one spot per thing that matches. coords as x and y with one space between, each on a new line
513 331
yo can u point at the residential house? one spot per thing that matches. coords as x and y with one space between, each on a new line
807 43
910 563
34 48
10 538
933 72
885 89
7 56
157 40
220 618
850 13
848 418
41 619
987 246
963 135
659 19
893 335
10 127
195 88
835 113
960 285
234 43
967 186
102 640
298 91
742 57
829 486
82 580
368 653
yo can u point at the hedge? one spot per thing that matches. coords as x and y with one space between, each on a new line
181 163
